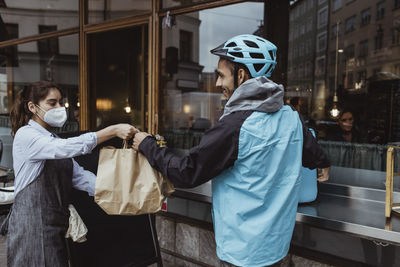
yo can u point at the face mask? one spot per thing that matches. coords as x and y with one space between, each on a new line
55 117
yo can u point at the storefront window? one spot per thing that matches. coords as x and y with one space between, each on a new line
118 77
55 60
102 10
346 87
22 18
190 101
360 79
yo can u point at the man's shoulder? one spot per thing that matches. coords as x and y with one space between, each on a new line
231 122
236 116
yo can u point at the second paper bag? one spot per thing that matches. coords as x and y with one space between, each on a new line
127 185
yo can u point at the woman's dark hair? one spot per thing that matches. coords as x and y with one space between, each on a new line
345 110
20 113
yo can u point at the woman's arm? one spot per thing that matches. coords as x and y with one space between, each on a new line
34 145
122 130
82 179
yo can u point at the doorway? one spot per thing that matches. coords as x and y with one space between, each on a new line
117 68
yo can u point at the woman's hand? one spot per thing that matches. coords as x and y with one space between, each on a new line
125 131
122 130
138 140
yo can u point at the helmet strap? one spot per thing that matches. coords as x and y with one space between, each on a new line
235 76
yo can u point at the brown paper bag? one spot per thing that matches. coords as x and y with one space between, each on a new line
126 184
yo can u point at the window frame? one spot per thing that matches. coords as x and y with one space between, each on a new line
353 20
362 19
380 10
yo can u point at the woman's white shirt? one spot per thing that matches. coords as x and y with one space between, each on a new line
33 145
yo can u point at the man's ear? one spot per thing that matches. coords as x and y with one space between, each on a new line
242 76
31 107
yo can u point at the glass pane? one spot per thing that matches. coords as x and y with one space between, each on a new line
21 18
174 3
350 93
118 76
54 60
351 96
101 10
190 101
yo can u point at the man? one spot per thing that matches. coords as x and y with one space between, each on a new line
253 156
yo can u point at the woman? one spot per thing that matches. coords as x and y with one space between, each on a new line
345 130
45 174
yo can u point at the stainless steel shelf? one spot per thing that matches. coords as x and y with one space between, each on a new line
352 210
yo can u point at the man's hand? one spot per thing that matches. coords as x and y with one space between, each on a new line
138 140
323 174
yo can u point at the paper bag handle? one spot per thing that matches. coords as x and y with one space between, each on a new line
125 144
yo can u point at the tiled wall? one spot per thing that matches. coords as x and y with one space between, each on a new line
183 244
190 242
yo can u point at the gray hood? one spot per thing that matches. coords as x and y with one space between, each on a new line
258 94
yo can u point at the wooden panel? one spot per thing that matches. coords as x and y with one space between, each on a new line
39 37
83 89
116 24
154 66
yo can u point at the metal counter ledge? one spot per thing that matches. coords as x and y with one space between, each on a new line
356 211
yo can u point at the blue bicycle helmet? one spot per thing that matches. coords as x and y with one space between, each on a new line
256 53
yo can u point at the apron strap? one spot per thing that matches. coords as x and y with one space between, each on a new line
4 225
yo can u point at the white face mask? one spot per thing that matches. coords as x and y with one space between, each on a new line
55 117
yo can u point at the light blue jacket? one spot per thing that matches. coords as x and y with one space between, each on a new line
255 201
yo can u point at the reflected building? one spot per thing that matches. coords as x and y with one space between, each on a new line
369 36
181 70
307 55
319 91
53 59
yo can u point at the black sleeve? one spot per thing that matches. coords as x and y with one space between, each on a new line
216 152
313 155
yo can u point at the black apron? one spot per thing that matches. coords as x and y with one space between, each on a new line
39 218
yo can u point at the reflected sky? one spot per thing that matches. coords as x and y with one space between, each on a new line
220 24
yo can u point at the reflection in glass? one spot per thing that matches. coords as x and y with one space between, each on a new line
345 66
21 18
356 69
190 101
118 76
102 10
54 59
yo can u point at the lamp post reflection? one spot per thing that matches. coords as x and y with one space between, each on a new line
334 112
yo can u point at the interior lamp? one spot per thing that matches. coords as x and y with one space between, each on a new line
127 109
334 112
